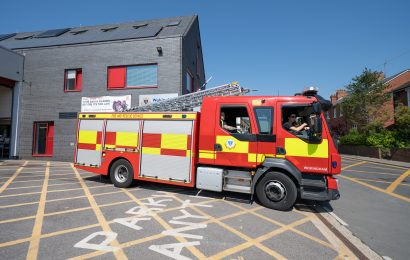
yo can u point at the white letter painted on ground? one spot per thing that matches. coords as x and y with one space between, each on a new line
104 245
130 222
189 215
173 250
189 226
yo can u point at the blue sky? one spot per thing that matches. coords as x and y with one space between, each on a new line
271 46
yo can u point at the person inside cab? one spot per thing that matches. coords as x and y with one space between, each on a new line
224 125
292 126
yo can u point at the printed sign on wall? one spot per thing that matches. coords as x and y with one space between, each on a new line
152 99
105 103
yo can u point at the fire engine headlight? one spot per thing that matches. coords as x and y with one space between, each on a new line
334 164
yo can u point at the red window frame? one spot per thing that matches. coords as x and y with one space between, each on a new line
48 141
78 80
117 77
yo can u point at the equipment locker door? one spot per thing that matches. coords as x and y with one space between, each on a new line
89 142
166 150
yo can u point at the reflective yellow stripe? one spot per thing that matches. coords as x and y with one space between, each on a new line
253 157
188 153
174 141
98 147
87 137
298 147
206 155
237 147
126 139
109 146
138 116
149 150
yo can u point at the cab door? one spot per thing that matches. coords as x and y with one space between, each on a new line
235 147
307 155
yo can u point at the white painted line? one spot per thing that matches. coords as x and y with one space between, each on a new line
198 192
335 216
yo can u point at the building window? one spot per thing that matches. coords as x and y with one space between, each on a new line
189 83
141 76
334 112
73 80
327 115
43 135
340 111
408 96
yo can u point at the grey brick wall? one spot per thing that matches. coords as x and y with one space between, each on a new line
43 96
191 48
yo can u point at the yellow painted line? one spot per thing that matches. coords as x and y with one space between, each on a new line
38 224
250 240
119 254
324 243
166 226
382 173
380 181
7 183
353 165
399 180
154 237
380 163
376 188
260 239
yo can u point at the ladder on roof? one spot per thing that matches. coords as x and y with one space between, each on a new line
191 101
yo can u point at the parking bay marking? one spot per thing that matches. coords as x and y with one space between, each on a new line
7 183
399 180
119 254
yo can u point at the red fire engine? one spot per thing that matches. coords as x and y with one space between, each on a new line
235 143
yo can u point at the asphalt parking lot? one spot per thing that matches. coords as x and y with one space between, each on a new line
49 210
375 204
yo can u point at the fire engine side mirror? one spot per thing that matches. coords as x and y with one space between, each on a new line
316 130
317 108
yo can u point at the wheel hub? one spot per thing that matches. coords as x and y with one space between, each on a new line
275 190
121 173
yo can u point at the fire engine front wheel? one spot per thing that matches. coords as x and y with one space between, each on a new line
276 191
121 174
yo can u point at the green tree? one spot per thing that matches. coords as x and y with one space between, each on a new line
366 95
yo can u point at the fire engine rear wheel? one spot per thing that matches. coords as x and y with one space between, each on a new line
121 174
276 191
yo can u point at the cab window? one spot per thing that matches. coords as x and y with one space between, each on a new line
298 120
235 119
264 118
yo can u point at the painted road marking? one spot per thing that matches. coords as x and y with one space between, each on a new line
119 254
376 188
38 224
7 183
399 180
335 216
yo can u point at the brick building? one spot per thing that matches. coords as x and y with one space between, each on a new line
61 67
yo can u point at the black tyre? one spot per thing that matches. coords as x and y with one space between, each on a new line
276 191
121 174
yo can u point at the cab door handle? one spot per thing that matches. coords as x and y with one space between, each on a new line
217 147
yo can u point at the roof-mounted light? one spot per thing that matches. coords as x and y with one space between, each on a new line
310 91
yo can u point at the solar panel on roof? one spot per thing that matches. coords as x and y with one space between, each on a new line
52 33
137 26
109 29
78 31
174 23
6 36
24 37
147 31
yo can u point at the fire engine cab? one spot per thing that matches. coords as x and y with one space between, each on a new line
234 143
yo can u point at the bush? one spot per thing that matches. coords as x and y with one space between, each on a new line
353 137
384 139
